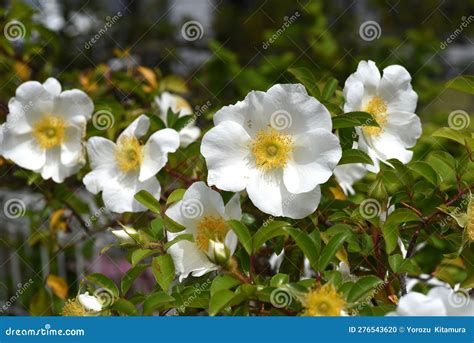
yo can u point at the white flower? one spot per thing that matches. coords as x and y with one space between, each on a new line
440 301
203 214
347 174
122 169
45 128
89 302
179 105
277 145
392 102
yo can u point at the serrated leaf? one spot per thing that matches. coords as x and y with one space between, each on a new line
362 287
155 300
149 201
219 301
130 277
355 156
163 270
243 234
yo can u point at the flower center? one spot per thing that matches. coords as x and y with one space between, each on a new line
378 109
49 131
210 228
73 308
271 149
128 154
324 301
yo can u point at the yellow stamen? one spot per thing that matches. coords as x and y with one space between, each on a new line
210 228
129 154
378 109
323 301
470 220
49 131
271 149
73 307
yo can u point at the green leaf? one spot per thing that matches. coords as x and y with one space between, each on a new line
156 300
424 170
182 122
149 201
395 262
463 83
125 307
331 249
267 232
41 303
130 277
306 77
104 282
401 265
329 88
243 234
175 196
219 301
224 282
171 225
362 287
182 237
391 226
343 121
163 270
140 254
171 118
454 135
390 235
279 280
306 245
355 156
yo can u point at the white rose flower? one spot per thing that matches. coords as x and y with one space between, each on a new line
178 104
277 145
45 128
203 214
122 169
440 301
392 102
89 302
347 174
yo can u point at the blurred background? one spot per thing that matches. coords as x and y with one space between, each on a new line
212 52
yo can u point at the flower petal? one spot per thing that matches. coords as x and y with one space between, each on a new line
347 174
188 259
52 86
387 146
72 150
74 106
417 304
138 128
315 156
101 152
233 209
55 169
188 135
227 153
14 147
404 125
